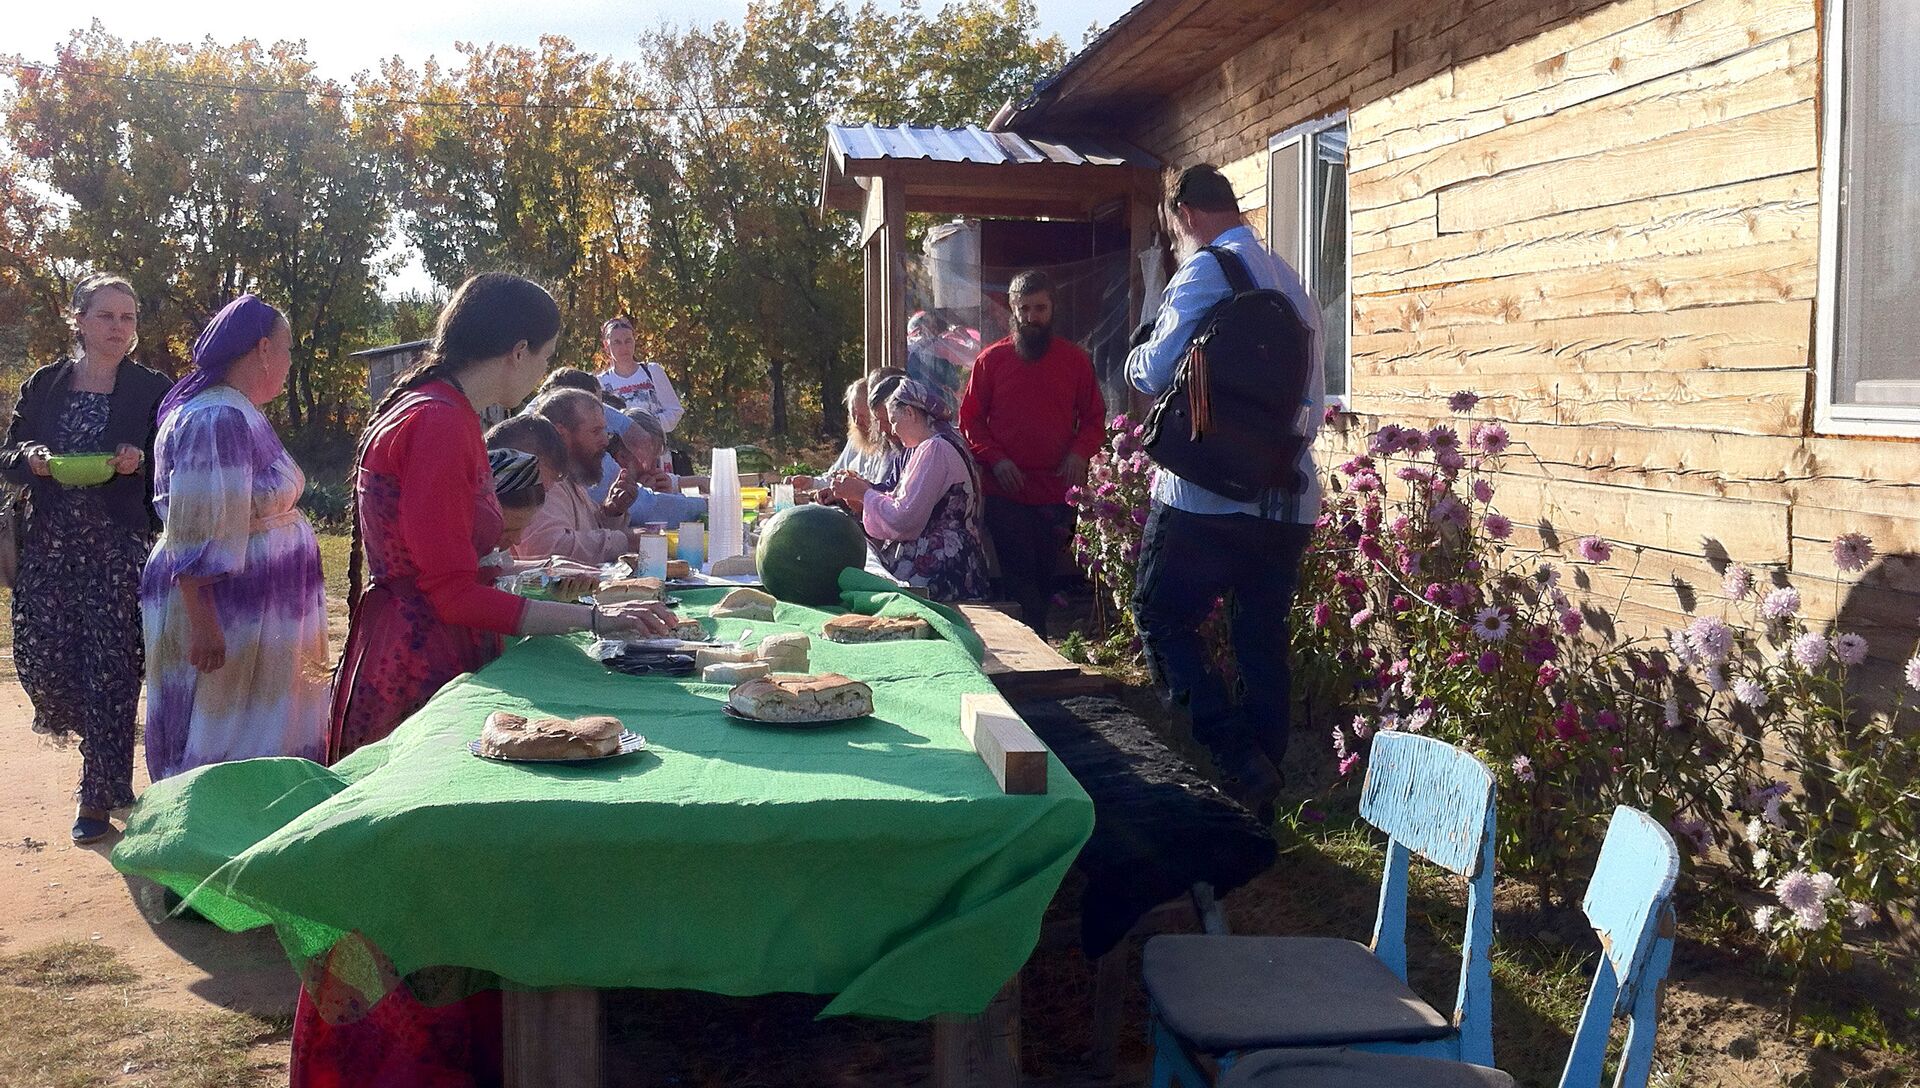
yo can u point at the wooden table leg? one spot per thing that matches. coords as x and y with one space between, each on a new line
1109 1003
552 1038
980 1051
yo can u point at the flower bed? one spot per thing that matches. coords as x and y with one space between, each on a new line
1419 610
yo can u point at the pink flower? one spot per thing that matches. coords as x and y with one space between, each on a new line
1365 482
1120 422
1852 552
1346 765
1859 914
1809 650
1570 622
1750 692
1339 743
1458 658
1913 672
1331 415
1498 526
1443 437
1362 728
1850 648
1593 549
1362 617
1798 892
1548 673
1462 402
1483 490
1450 459
1737 583
1491 439
1780 603
1523 768
1709 639
1322 614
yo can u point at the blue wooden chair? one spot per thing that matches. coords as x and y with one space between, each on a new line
1627 902
1216 997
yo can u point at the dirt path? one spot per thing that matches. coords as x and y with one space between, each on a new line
54 891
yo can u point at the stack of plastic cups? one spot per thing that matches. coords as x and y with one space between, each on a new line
726 528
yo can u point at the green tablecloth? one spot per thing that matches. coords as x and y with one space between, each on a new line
877 861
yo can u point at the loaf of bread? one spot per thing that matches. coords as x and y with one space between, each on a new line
679 568
721 655
787 651
511 736
745 604
851 628
789 697
690 630
735 672
631 589
733 566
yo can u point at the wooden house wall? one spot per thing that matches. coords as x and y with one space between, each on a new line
1604 219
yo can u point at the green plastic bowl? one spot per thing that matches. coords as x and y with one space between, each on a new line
81 469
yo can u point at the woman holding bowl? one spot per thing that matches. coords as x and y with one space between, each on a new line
76 600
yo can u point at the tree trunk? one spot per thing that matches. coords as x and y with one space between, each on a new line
777 371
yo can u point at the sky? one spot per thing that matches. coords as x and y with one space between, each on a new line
348 36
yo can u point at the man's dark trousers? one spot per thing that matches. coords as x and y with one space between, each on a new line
1029 540
1187 561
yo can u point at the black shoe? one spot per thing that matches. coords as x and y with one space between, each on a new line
88 830
1246 775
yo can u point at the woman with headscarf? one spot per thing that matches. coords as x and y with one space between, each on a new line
927 530
76 599
236 611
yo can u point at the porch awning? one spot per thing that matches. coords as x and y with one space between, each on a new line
970 171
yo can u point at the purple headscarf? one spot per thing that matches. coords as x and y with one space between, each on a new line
235 330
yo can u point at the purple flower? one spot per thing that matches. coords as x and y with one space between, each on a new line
1120 422
1850 648
1750 692
1608 721
1800 894
1459 595
1450 459
1322 614
1593 549
1780 603
1570 622
1450 510
1498 526
1483 490
1443 437
1489 663
1859 914
1491 439
1913 672
1366 481
1809 650
1140 518
1462 402
1362 728
1852 552
1737 583
1694 831
1709 639
1523 768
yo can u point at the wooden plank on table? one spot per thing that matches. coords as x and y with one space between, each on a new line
552 1038
1777 141
1009 749
1776 74
980 1051
1022 665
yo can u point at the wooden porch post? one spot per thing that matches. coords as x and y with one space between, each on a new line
980 1051
887 218
552 1038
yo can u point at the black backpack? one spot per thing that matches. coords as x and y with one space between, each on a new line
1228 421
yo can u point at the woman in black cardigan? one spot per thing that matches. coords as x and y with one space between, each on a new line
76 601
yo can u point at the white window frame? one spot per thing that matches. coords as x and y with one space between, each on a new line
1885 420
1304 261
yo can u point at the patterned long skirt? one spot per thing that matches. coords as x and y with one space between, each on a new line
77 640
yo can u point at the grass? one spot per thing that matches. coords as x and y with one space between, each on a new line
72 1021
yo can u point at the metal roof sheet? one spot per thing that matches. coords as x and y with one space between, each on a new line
855 143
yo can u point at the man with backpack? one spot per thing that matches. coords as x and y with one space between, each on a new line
1234 356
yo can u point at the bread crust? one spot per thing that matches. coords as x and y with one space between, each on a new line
631 589
852 628
513 736
798 697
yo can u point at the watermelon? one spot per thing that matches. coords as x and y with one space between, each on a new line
802 551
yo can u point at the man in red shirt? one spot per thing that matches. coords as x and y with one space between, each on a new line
1033 416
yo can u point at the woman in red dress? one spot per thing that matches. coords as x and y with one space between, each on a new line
425 511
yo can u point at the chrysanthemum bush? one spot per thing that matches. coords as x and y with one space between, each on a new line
1421 609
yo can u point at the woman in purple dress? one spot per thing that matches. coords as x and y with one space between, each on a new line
236 612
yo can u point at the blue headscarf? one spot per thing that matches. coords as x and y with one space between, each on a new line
236 330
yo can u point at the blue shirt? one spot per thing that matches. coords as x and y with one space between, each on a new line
1196 287
650 505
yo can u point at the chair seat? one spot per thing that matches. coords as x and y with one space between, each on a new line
1221 994
1355 1069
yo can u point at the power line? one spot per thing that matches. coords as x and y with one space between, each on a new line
472 105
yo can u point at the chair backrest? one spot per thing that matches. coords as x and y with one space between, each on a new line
1435 800
1628 904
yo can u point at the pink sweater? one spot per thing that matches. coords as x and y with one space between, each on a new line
570 525
933 466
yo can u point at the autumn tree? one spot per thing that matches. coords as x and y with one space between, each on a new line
200 172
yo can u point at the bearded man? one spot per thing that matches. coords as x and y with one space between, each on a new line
1033 417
